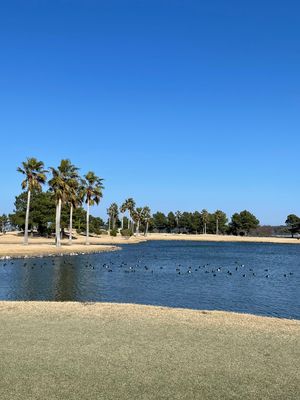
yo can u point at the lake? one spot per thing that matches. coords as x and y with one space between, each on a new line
262 279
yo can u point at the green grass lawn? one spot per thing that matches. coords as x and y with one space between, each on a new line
104 351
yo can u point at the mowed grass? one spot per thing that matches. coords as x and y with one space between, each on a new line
111 351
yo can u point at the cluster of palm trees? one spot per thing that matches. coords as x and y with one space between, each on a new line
136 216
68 188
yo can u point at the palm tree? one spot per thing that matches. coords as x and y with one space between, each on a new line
218 215
205 218
146 217
92 190
60 186
177 215
74 192
123 209
131 209
113 215
129 204
137 216
35 177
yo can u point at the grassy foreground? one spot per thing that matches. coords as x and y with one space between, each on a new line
112 351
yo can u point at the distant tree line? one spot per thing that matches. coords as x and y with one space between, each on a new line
204 222
60 208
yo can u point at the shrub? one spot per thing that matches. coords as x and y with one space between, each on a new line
113 232
126 232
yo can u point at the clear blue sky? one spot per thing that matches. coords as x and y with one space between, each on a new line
179 104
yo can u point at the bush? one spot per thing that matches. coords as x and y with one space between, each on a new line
113 232
126 232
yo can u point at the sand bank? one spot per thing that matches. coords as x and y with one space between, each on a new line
11 245
221 238
112 351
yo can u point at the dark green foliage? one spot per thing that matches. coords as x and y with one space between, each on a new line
188 222
113 232
293 224
172 223
218 218
243 222
42 215
159 222
126 232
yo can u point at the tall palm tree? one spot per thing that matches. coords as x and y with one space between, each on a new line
128 205
60 186
205 219
131 209
123 209
74 192
74 201
146 217
35 177
177 215
92 189
113 215
218 215
137 216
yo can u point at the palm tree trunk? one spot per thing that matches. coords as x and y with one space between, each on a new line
217 227
27 218
122 223
204 228
87 223
71 224
147 226
57 224
109 225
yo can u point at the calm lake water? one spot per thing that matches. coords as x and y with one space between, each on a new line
261 279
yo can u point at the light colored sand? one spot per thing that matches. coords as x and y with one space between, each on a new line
221 238
12 245
103 351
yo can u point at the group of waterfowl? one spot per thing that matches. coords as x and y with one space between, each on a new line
207 269
110 266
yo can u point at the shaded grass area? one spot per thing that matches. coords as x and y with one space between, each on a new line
110 351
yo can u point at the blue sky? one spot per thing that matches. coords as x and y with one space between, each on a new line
179 104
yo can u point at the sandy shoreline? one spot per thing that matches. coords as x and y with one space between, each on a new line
93 351
11 244
222 238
